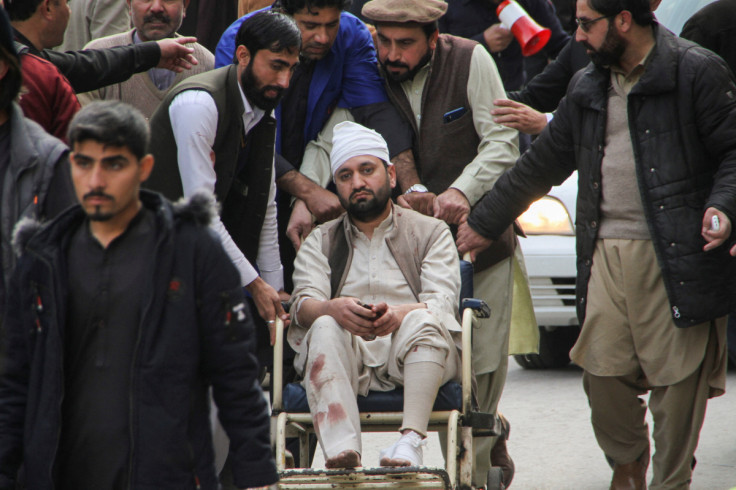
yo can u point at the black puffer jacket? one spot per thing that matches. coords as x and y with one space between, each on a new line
195 332
682 119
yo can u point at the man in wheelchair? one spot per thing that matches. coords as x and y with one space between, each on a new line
374 306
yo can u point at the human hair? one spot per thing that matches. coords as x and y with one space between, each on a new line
270 30
640 10
21 9
10 84
293 6
111 123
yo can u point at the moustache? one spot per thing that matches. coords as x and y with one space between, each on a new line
101 194
162 18
362 189
395 64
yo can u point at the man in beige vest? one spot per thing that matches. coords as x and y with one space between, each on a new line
374 304
152 21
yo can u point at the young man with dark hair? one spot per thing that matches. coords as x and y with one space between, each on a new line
39 25
650 126
123 312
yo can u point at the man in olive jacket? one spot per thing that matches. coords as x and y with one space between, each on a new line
651 129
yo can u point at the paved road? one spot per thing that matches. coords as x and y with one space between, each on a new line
552 442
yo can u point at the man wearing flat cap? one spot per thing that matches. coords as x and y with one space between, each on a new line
445 86
374 305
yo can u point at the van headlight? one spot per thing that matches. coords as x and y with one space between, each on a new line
547 216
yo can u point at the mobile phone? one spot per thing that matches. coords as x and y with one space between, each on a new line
454 115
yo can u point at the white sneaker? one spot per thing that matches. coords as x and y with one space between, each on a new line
407 451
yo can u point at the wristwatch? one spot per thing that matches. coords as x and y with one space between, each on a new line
416 188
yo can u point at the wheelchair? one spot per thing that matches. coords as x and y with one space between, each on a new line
454 413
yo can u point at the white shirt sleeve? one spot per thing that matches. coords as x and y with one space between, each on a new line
193 117
269 259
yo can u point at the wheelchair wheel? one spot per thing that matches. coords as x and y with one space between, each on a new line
495 479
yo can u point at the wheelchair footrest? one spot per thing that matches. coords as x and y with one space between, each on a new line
364 477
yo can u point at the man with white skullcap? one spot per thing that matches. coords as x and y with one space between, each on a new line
374 305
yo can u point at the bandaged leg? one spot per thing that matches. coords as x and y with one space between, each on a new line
331 383
429 359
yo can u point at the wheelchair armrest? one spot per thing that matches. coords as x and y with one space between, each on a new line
481 309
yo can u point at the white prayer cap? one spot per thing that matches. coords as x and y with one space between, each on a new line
350 140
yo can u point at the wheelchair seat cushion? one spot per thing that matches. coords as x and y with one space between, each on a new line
449 397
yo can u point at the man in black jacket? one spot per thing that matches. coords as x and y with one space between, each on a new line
651 129
123 312
40 25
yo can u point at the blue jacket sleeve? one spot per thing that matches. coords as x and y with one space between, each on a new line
361 82
225 50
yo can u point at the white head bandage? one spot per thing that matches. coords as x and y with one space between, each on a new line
350 140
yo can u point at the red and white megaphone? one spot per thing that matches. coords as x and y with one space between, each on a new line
530 35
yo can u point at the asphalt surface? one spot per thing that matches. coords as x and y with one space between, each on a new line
553 445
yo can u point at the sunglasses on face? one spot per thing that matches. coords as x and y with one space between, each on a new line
586 24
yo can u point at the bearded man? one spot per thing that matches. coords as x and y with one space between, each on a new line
650 127
152 21
375 305
215 131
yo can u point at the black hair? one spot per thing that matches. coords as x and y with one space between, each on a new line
293 6
111 123
641 10
10 84
21 9
270 30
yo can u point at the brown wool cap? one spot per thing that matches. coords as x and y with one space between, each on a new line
420 11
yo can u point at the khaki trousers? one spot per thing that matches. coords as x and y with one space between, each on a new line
629 346
335 370
618 417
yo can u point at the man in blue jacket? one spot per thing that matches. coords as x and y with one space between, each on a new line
338 69
123 312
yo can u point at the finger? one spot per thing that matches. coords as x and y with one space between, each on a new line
293 235
401 201
713 244
733 251
186 39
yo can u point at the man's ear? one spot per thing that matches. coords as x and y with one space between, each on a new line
146 164
184 10
46 8
433 39
242 54
391 169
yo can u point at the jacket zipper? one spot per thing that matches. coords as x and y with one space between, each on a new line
39 308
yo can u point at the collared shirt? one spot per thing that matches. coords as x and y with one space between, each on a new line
105 307
193 116
161 77
627 80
